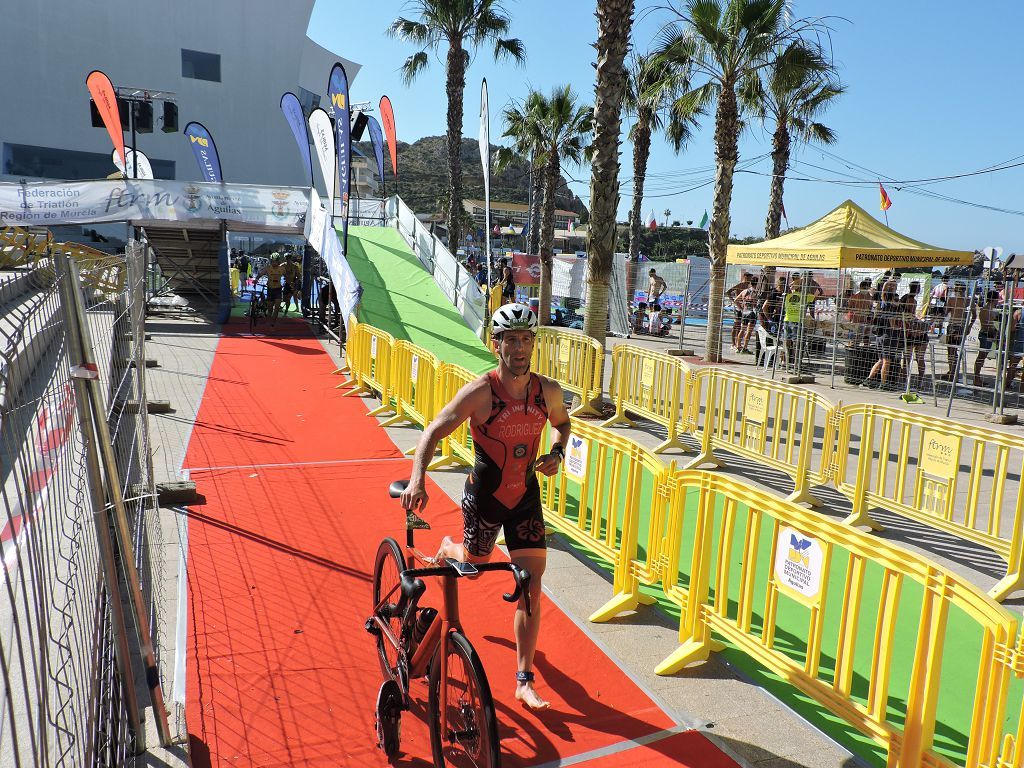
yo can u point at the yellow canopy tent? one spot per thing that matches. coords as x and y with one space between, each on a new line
847 237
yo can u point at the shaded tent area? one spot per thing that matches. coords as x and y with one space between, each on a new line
823 264
847 237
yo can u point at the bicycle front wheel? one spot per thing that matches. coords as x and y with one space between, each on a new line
471 737
387 573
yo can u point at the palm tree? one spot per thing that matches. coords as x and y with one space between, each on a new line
614 26
525 150
798 87
552 129
461 26
726 42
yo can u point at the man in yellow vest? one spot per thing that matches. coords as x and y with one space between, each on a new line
792 317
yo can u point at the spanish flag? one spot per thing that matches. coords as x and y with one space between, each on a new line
884 202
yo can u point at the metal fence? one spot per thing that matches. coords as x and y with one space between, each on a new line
949 341
83 573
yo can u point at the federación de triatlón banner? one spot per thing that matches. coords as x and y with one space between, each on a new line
80 202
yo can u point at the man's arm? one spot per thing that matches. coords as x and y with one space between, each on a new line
547 464
466 400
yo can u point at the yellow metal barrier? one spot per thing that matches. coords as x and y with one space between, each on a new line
353 324
576 361
595 499
413 376
457 448
964 480
19 247
371 367
772 423
653 385
772 601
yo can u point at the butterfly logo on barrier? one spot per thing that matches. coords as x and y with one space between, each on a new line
798 550
576 442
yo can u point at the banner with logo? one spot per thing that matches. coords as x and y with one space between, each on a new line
102 92
485 163
144 171
297 122
526 269
377 140
337 89
387 116
205 151
48 203
323 143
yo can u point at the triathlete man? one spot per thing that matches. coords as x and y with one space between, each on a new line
274 272
506 409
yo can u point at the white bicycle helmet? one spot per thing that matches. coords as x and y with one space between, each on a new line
513 317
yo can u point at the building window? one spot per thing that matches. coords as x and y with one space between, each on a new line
49 163
308 101
200 66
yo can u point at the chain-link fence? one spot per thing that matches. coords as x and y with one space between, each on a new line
80 524
922 335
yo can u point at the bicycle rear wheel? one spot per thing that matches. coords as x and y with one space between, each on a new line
387 572
472 737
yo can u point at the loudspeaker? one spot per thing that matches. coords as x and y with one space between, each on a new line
170 117
143 117
123 105
358 126
94 113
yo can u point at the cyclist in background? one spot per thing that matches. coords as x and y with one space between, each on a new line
292 282
507 409
274 272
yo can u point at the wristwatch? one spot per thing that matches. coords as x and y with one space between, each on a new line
557 448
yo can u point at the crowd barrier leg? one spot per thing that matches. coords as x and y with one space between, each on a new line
695 643
802 492
859 515
625 585
706 457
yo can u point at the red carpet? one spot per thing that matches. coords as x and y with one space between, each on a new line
280 671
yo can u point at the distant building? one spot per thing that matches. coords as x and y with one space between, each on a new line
504 214
226 62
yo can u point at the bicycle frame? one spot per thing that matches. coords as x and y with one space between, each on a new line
440 629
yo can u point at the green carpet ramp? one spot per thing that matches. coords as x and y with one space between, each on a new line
401 297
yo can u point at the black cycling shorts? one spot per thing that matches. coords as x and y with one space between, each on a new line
523 525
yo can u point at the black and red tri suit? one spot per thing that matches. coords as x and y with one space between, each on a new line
502 490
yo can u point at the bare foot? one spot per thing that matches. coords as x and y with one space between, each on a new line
526 694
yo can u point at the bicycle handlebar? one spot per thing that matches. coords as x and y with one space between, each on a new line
520 575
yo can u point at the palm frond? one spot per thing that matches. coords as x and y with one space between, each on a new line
414 32
413 66
510 49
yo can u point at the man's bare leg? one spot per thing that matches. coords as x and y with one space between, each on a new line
527 628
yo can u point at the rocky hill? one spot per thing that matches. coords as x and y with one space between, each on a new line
423 179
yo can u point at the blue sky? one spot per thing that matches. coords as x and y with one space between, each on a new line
933 90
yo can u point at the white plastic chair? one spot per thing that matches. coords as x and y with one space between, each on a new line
768 351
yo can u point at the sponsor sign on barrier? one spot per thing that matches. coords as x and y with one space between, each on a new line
414 368
941 454
757 405
373 347
576 461
798 566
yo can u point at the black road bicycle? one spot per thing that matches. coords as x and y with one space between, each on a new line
413 642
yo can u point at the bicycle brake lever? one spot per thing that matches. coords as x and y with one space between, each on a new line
522 579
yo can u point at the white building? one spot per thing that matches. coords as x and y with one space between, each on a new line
227 62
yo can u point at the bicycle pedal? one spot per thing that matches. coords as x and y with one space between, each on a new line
415 522
371 626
